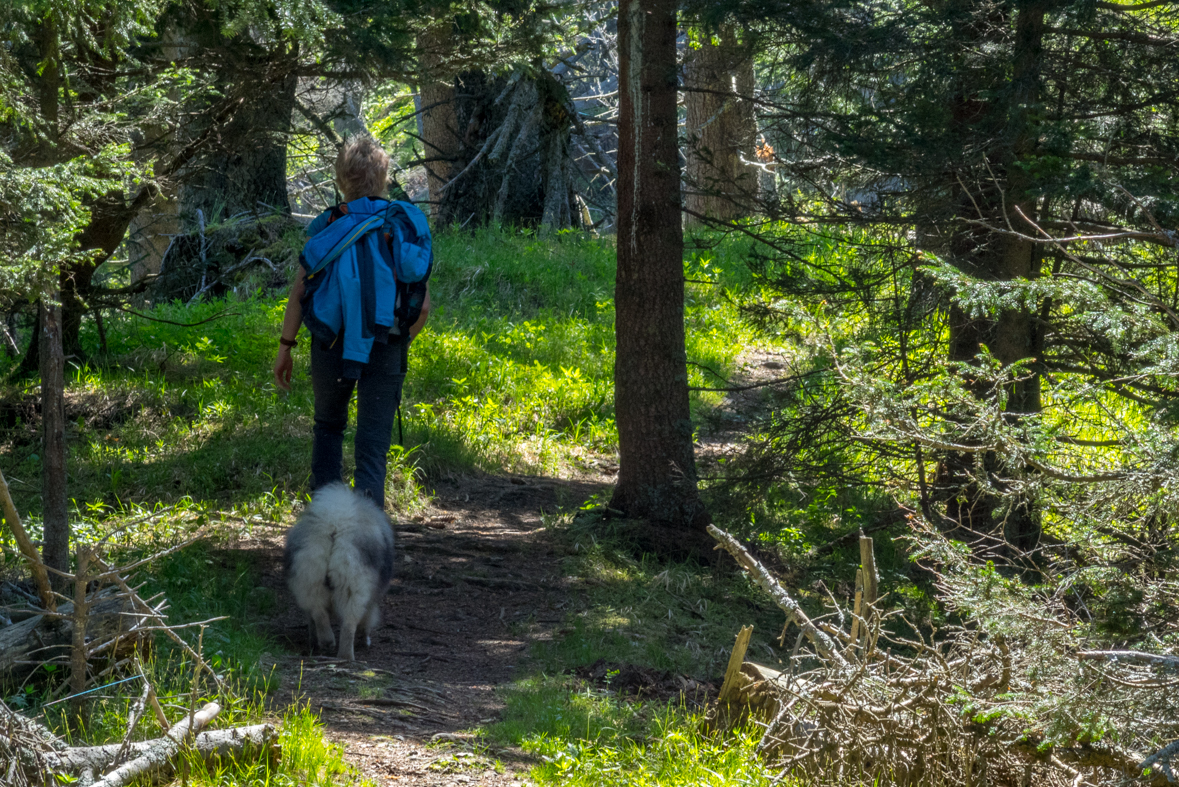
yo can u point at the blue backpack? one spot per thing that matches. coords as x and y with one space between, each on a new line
367 264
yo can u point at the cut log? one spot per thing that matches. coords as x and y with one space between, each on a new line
47 638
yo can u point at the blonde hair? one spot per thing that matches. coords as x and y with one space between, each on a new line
362 168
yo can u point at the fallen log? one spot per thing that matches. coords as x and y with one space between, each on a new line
232 744
159 753
47 638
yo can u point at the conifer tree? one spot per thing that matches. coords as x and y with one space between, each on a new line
1027 152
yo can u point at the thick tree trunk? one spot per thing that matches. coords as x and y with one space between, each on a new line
721 128
110 218
513 164
439 123
55 548
246 172
1017 334
657 472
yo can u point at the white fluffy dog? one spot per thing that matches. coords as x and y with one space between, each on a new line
339 560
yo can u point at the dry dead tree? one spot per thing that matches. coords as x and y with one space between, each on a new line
965 706
100 620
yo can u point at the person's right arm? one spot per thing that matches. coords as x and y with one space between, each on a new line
284 365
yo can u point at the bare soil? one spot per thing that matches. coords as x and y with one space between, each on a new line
478 579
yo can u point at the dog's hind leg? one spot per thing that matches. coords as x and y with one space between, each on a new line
372 619
347 638
322 623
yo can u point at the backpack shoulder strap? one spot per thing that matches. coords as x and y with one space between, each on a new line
327 245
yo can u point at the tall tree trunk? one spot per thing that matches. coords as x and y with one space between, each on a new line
49 83
439 122
55 511
110 217
247 171
1013 335
721 127
657 472
1017 335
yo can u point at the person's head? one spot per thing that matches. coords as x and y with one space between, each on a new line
362 168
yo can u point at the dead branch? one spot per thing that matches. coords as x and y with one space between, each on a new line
145 608
951 709
766 581
47 638
1131 657
160 752
25 544
218 744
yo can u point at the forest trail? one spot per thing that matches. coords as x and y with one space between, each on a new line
477 580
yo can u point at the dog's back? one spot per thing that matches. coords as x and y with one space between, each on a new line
339 559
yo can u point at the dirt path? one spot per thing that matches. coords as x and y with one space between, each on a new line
477 581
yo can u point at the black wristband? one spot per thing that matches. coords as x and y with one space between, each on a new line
288 342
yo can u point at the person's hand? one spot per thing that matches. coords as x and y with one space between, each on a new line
284 367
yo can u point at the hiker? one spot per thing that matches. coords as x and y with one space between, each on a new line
362 293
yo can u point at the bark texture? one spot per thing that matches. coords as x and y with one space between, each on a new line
246 171
512 164
439 124
157 757
657 473
56 515
721 128
242 134
237 744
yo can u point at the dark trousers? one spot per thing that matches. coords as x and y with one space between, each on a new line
378 393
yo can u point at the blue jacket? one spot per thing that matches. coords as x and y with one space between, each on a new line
356 294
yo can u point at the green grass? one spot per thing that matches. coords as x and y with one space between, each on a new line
308 760
514 372
679 617
516 369
587 736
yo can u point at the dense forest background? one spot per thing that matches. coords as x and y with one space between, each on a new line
806 271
